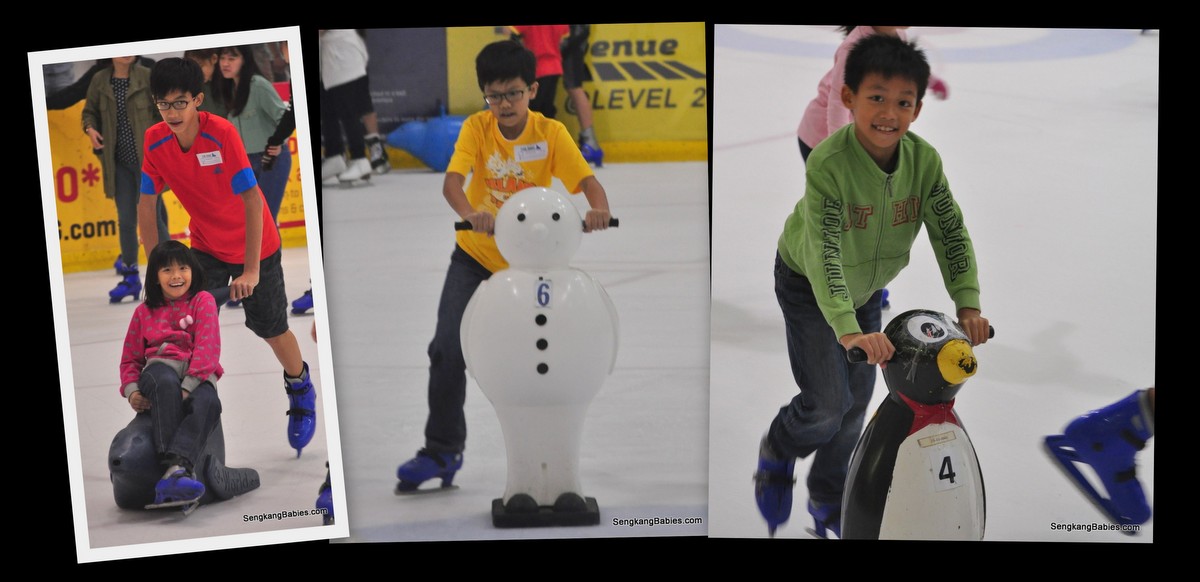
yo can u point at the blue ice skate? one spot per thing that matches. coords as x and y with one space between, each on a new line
130 286
304 303
825 517
302 413
592 154
425 466
178 489
773 483
325 499
1108 440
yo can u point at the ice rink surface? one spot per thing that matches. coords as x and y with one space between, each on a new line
644 452
253 419
1050 144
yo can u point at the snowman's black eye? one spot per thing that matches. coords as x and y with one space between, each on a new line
521 217
554 216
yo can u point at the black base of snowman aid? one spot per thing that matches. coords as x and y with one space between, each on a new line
539 338
134 468
914 474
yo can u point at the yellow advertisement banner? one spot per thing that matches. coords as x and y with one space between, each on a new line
649 83
87 219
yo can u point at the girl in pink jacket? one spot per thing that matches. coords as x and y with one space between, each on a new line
170 364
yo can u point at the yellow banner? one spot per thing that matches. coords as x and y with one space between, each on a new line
87 220
649 83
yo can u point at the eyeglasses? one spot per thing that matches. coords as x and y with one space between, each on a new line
176 105
511 96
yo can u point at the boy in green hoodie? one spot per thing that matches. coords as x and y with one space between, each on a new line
870 187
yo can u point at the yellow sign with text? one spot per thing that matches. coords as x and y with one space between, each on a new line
648 82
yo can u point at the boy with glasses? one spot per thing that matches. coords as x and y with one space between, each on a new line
506 148
201 158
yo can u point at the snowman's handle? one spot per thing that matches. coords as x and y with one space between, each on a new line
465 225
858 356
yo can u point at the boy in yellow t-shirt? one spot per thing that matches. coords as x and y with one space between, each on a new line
505 148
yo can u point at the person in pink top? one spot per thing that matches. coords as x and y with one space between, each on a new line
170 364
826 113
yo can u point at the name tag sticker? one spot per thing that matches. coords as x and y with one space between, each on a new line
209 158
531 152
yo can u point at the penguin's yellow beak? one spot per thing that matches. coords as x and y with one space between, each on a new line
956 361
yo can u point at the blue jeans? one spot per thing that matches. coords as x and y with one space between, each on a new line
826 417
127 197
273 182
446 427
181 426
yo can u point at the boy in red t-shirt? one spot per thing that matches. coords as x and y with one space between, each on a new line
201 158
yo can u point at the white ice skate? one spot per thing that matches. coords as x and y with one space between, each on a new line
357 174
330 169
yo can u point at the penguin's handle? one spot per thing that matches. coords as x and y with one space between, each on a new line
465 225
858 356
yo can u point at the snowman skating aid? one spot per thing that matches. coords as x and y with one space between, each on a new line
539 338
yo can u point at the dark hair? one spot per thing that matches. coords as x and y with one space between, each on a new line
889 57
170 252
176 74
503 60
202 54
846 30
224 89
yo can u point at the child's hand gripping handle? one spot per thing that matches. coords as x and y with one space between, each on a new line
464 225
858 356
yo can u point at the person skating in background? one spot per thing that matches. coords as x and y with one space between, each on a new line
117 111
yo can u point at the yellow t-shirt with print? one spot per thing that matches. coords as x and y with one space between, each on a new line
496 168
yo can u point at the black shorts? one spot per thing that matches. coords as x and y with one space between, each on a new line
575 71
266 308
353 98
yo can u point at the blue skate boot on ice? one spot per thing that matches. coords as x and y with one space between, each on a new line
593 154
590 148
425 466
129 286
302 411
302 304
773 484
178 488
826 516
325 498
1108 439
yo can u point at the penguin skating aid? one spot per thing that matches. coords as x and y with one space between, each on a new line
914 474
